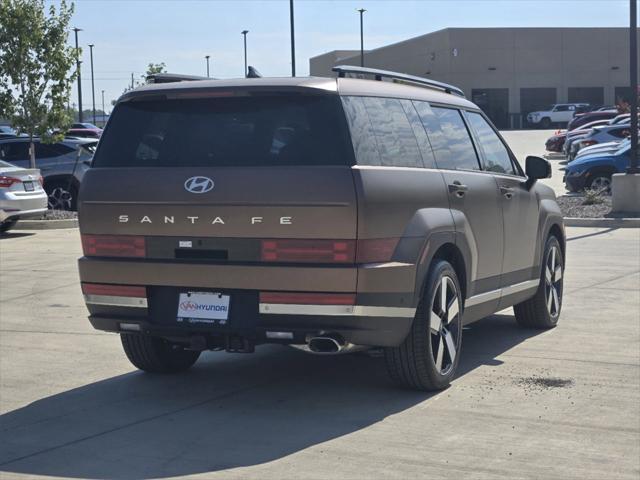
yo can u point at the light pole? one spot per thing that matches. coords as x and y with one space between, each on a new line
207 57
244 33
361 10
93 91
293 40
104 113
633 67
76 30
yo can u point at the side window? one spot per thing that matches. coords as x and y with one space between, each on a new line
362 137
463 153
436 137
421 135
16 151
46 151
396 141
496 155
561 108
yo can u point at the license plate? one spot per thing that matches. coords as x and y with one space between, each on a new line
203 307
28 186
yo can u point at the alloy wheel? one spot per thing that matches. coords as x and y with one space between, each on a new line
60 199
444 325
553 282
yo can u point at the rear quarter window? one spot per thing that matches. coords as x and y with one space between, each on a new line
240 131
382 132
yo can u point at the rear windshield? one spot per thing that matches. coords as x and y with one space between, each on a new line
240 131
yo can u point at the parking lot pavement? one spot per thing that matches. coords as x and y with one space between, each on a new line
559 404
531 142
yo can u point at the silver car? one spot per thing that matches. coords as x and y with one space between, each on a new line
21 195
62 165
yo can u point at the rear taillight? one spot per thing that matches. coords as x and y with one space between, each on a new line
105 289
113 246
308 298
6 182
329 251
310 251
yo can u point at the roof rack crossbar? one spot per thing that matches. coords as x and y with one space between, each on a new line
342 71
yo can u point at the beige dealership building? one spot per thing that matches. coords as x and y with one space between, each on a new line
508 72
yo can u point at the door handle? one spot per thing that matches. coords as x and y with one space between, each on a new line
507 192
458 189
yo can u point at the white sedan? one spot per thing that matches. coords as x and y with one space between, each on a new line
21 195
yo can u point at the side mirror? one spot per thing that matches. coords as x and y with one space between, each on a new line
536 168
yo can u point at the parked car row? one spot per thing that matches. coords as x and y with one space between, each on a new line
596 146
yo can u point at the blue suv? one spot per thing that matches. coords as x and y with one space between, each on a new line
595 171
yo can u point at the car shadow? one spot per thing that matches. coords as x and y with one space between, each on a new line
7 235
228 411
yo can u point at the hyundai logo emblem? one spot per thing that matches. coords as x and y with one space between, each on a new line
198 184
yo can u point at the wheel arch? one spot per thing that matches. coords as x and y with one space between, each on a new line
62 177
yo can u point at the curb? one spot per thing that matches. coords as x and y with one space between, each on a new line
602 222
46 224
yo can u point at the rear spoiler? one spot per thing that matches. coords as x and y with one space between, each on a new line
174 77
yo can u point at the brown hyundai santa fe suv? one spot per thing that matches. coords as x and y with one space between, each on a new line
327 214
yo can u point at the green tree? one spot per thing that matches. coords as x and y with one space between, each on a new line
35 62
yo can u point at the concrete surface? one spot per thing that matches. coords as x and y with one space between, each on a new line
560 404
625 193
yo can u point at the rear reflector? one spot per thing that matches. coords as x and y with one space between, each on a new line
376 250
308 298
104 289
113 245
318 251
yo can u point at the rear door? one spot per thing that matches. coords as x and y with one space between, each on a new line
473 195
214 170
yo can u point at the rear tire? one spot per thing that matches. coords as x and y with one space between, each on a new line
545 123
156 355
7 225
429 356
542 311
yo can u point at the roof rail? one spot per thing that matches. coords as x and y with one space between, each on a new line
173 77
342 70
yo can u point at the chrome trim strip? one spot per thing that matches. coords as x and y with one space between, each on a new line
354 310
520 287
114 301
501 292
483 297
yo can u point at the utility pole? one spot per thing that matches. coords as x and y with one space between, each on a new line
93 91
207 57
244 33
104 112
131 79
293 40
633 67
76 30
361 10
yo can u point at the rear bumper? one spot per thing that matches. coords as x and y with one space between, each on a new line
11 214
359 329
383 314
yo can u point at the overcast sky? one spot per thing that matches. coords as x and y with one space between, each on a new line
128 34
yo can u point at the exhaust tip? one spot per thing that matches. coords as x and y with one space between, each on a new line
324 345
